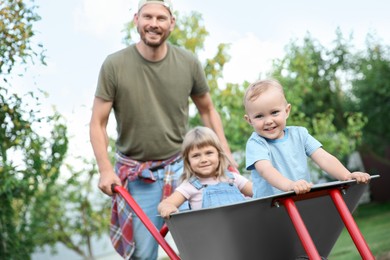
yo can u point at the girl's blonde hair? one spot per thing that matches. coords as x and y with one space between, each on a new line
200 137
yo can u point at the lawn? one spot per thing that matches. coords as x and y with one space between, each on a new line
373 220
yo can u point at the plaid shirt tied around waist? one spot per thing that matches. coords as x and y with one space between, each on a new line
121 227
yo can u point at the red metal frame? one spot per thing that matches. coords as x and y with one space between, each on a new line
344 212
158 235
301 229
351 225
289 204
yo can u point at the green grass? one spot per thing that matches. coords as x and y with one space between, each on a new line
373 220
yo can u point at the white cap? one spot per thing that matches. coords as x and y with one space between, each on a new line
166 3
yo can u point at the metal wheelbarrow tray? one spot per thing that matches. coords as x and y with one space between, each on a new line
283 226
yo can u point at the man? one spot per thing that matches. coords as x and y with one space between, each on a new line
148 85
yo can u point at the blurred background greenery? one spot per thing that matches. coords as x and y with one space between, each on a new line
342 95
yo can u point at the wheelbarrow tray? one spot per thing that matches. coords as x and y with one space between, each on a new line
259 229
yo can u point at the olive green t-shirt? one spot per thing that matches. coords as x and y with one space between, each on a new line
150 99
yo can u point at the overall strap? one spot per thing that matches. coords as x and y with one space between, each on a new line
196 183
231 177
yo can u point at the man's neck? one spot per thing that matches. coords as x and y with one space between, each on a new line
152 53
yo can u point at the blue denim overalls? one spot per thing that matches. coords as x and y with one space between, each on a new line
219 194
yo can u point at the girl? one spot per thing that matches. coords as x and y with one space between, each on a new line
206 182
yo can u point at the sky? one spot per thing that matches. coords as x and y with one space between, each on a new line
79 34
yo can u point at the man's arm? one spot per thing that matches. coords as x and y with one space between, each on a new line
211 119
99 140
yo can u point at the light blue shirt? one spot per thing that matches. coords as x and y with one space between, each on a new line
288 155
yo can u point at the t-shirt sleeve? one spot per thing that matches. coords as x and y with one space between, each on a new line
193 195
311 144
256 150
240 180
200 82
184 189
106 83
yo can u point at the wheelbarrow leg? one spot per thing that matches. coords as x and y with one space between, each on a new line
147 222
351 225
301 229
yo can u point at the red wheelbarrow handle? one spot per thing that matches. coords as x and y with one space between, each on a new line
146 221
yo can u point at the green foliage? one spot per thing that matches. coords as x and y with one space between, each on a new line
314 79
189 32
371 94
17 183
313 76
29 164
16 31
75 211
34 186
213 69
33 145
229 102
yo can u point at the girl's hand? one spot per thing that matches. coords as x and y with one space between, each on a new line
167 209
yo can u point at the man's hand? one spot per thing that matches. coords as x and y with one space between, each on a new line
106 180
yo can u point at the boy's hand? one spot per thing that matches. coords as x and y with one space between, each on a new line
360 177
301 186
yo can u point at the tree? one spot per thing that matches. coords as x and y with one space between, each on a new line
315 81
16 32
29 161
371 96
76 212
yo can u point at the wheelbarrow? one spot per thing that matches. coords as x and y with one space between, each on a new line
283 226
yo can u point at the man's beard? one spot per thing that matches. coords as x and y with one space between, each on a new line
154 44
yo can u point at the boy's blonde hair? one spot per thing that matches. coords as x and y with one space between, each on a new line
258 87
200 137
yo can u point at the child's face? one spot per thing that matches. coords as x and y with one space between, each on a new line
204 161
268 114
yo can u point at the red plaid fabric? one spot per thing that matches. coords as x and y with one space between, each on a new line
121 227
